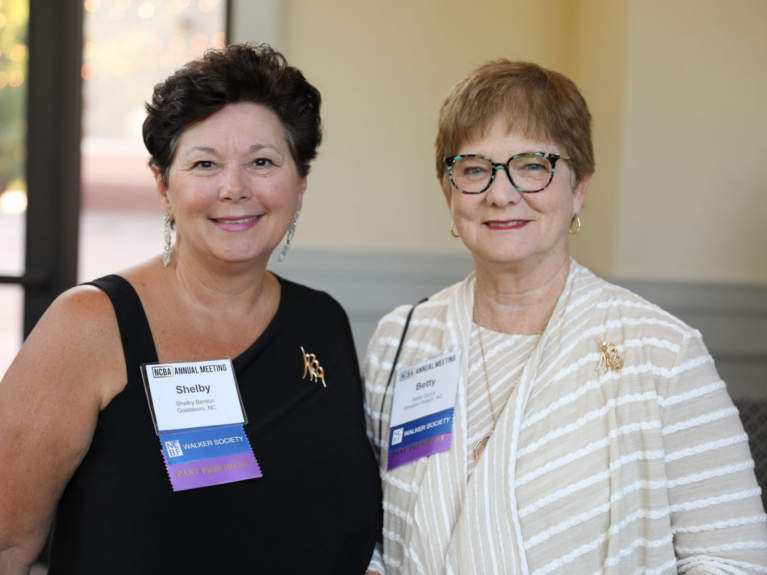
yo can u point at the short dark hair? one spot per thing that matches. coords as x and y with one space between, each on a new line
237 73
534 101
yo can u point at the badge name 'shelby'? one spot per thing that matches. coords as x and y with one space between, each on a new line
197 388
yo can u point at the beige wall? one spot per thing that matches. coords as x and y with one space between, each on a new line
693 193
383 70
670 83
598 66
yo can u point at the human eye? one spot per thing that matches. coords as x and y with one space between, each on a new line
203 165
473 168
533 166
263 163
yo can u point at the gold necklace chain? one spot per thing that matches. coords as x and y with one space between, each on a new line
484 363
479 447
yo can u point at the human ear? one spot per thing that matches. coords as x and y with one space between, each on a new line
447 190
579 193
162 189
301 191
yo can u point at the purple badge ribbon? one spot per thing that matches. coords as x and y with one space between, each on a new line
430 446
214 471
208 456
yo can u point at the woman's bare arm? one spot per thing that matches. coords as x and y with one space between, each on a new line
68 370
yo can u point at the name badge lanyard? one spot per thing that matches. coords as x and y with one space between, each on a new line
393 370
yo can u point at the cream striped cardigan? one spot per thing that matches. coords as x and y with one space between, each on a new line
645 470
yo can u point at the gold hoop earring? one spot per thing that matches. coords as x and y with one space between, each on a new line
577 220
452 231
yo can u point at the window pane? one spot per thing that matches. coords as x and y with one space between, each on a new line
14 15
129 47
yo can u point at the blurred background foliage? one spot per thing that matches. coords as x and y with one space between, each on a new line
14 55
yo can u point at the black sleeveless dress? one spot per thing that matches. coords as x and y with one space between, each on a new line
317 508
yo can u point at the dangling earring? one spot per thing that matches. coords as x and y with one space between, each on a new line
577 220
166 232
452 231
291 231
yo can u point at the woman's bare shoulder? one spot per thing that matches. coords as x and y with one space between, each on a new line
83 313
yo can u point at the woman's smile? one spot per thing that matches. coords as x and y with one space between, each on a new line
237 223
502 225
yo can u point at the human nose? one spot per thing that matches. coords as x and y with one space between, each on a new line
502 191
235 185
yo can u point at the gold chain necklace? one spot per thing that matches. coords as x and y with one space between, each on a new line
479 448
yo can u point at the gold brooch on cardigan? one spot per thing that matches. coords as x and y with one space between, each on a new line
610 357
313 368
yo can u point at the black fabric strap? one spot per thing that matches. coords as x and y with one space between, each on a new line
393 369
138 343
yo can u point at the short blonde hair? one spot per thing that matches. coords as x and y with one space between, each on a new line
536 103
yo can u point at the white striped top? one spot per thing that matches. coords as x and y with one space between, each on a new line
645 470
506 356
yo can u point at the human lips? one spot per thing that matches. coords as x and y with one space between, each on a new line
236 223
506 224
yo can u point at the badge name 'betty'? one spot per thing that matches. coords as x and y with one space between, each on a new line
425 384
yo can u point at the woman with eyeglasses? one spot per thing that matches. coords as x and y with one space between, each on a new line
535 418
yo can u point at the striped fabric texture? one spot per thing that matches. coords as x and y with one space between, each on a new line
506 356
642 470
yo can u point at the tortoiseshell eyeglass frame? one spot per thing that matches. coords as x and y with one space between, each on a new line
550 156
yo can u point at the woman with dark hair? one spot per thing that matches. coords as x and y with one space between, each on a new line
285 481
534 418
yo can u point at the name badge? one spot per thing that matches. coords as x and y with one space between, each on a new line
423 409
192 394
198 413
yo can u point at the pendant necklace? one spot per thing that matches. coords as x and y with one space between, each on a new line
479 448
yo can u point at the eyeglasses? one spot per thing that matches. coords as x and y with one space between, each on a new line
529 172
